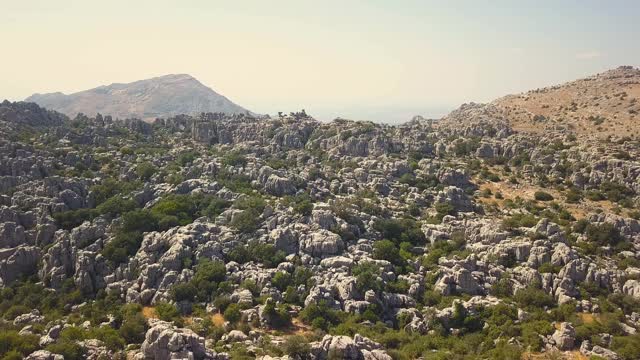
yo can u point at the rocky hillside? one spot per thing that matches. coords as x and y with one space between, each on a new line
234 237
602 105
163 96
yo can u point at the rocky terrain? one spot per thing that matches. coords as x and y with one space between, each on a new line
224 236
162 96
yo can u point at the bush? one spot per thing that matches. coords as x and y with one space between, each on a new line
628 347
604 234
116 206
184 292
111 187
11 343
297 347
16 310
277 317
319 315
69 219
518 220
167 311
247 221
533 297
221 302
208 270
124 245
548 268
502 289
367 274
109 336
234 158
281 280
444 248
133 328
140 220
387 250
232 313
542 196
262 253
301 204
73 333
443 209
531 332
187 157
145 170
70 350
203 284
401 230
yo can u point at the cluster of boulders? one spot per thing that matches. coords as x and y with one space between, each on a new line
353 173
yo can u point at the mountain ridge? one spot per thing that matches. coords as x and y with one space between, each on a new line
160 96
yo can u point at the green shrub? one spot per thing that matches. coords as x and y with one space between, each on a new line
69 219
109 336
367 276
301 204
11 343
73 333
320 315
573 196
281 280
400 230
111 187
604 234
187 157
184 292
167 311
502 289
628 347
70 350
133 328
297 347
548 268
234 158
232 313
145 170
518 220
124 245
277 317
15 310
247 221
140 220
116 206
13 355
387 250
262 253
444 248
542 196
533 296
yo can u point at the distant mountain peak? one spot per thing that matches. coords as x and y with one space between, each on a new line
161 96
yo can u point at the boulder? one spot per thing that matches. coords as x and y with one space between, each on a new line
564 337
163 341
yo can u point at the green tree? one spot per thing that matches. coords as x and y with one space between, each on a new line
145 170
232 313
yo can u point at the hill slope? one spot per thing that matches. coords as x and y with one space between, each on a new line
603 104
162 96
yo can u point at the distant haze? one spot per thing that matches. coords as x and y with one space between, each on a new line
377 60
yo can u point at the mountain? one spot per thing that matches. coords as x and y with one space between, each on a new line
162 96
603 104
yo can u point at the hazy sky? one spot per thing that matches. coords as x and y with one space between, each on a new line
379 60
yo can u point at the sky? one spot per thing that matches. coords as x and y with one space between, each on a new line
365 60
